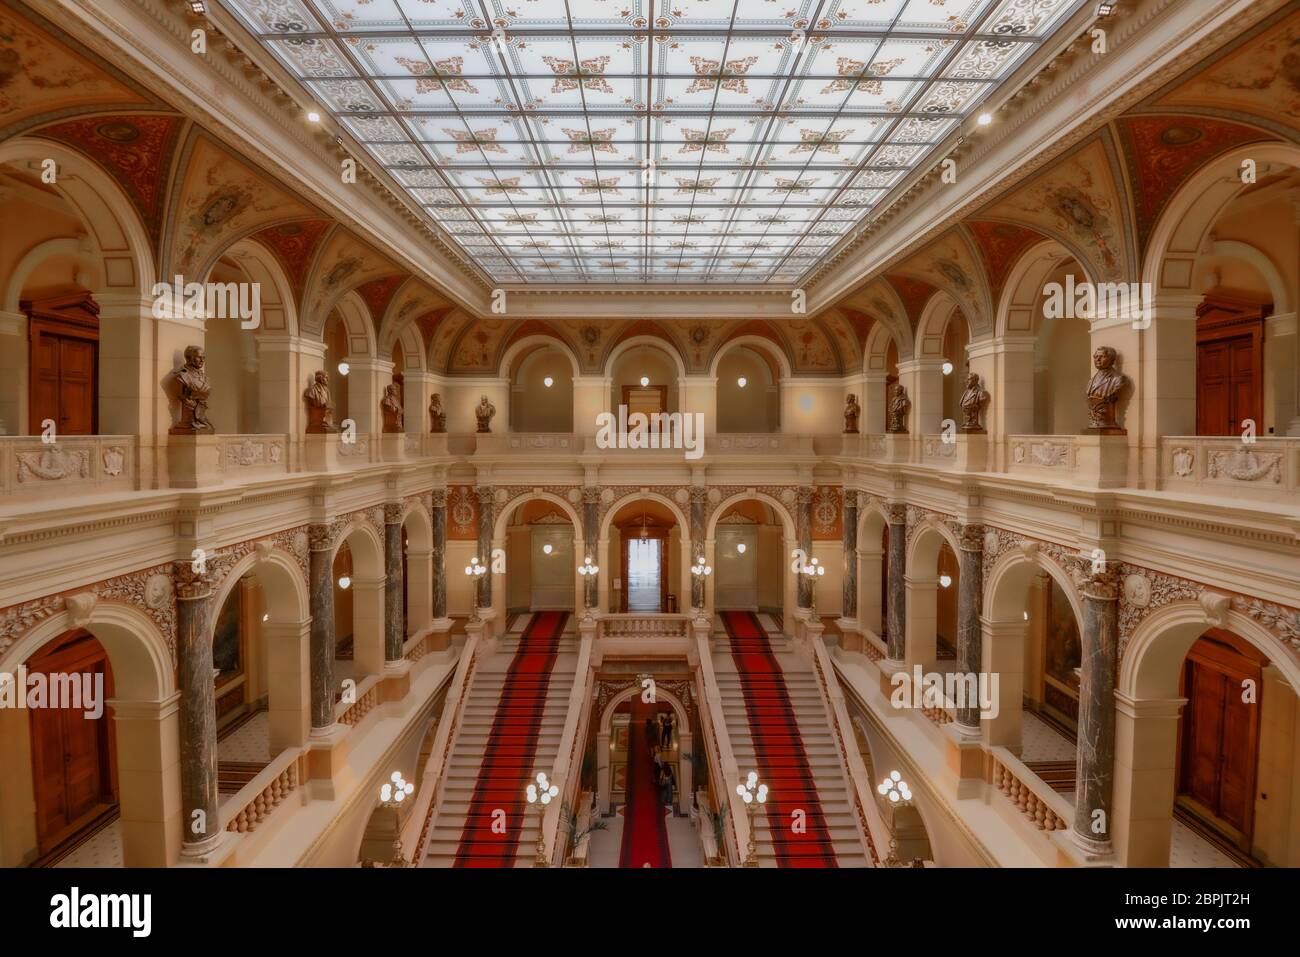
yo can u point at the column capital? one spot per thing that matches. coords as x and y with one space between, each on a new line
191 585
972 537
320 537
393 513
1102 586
438 498
897 512
485 493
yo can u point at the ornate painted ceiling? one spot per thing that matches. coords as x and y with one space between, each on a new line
647 141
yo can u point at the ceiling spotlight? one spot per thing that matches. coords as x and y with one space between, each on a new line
1106 9
548 382
344 368
742 381
313 117
984 119
645 380
198 6
947 367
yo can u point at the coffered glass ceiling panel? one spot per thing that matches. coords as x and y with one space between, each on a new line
650 141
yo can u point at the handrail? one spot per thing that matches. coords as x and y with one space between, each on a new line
851 765
248 807
626 625
367 697
444 738
575 720
714 724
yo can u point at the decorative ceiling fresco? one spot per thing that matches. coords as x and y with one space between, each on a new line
1164 151
1000 245
344 263
294 245
137 151
615 141
949 263
1079 202
219 199
40 76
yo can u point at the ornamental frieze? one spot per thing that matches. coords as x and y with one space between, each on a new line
607 689
295 541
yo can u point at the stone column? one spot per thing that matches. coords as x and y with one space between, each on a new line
850 607
970 606
486 518
590 534
803 528
201 826
699 505
897 570
438 510
394 583
322 628
1095 767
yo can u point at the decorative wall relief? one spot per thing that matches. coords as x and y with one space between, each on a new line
1184 462
113 460
1245 465
53 464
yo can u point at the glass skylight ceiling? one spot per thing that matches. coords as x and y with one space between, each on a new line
649 141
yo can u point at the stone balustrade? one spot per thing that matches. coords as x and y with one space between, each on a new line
644 626
1041 806
1042 455
73 465
246 810
367 696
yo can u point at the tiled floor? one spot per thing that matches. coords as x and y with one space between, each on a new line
251 742
102 850
1189 849
683 843
1041 742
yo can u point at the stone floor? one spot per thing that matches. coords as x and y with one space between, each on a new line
683 843
1040 741
104 849
249 743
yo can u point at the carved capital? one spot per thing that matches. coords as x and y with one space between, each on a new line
191 585
392 513
320 538
591 495
438 498
1216 607
804 495
972 537
897 513
1102 585
699 495
485 494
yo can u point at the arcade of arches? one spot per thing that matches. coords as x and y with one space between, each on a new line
1040 560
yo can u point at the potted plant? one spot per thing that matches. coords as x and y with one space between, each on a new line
569 820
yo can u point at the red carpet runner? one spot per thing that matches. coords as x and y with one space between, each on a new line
778 748
645 837
511 748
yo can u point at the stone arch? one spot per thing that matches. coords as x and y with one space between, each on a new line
683 523
119 238
502 521
1179 234
667 346
413 357
369 577
1147 706
790 535
684 735
354 314
873 520
289 603
921 580
940 310
607 716
1011 572
530 341
758 343
279 311
1261 263
82 249
418 521
145 716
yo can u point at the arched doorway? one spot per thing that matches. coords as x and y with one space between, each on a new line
749 390
540 557
541 390
359 583
749 559
645 543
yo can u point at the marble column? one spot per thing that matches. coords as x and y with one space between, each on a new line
322 627
970 605
803 528
850 606
1095 764
590 533
394 583
699 506
897 569
198 731
486 518
438 511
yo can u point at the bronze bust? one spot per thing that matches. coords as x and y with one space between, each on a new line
972 404
391 405
484 413
1103 392
192 392
437 415
899 406
320 413
852 411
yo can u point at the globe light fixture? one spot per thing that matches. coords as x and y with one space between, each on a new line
548 382
392 793
895 789
344 368
344 582
313 117
588 570
945 581
741 547
985 119
814 570
742 382
474 571
754 793
701 571
947 367
645 381
547 548
540 793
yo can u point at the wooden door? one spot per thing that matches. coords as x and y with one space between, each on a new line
63 335
1220 734
1229 365
72 755
647 399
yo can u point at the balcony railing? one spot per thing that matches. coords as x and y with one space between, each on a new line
644 626
1041 806
1266 469
74 465
1040 454
239 455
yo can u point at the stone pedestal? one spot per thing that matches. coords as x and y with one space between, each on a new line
898 447
320 452
1102 460
393 446
972 453
965 759
192 461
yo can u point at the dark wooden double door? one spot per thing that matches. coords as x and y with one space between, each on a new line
1229 365
72 755
1220 734
63 334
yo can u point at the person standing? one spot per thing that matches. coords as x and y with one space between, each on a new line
666 740
666 786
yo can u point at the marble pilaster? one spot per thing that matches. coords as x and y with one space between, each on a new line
896 584
394 583
699 503
803 528
850 606
486 519
438 512
970 605
590 534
